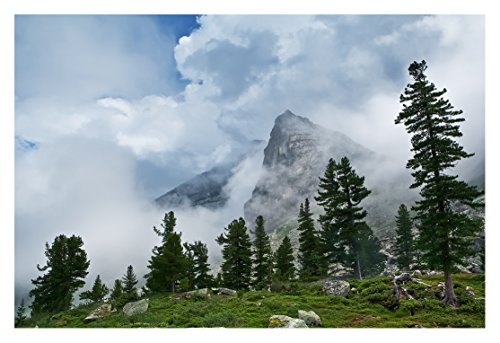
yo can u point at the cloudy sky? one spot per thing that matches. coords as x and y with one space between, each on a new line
112 111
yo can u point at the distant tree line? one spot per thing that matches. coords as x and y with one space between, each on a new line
437 236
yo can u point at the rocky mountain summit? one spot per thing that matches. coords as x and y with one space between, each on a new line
294 158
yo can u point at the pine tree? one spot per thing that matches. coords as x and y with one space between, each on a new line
310 254
187 283
236 268
97 293
262 256
67 266
345 236
200 265
20 315
444 234
285 268
117 291
129 282
168 265
404 238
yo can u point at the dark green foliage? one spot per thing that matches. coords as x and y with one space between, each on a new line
236 267
310 255
187 283
404 238
97 293
117 291
445 234
345 235
200 267
129 282
67 266
262 256
20 315
368 248
168 265
284 261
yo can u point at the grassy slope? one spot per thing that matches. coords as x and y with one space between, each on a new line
362 308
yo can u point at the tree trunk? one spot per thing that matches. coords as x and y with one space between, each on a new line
449 294
357 269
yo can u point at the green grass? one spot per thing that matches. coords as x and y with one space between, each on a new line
366 307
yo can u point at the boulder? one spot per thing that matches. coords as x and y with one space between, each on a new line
100 312
336 287
310 318
224 291
280 321
136 307
202 293
417 273
470 291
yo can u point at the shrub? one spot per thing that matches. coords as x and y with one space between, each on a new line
219 319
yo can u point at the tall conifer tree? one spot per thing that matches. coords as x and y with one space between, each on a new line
236 268
262 256
97 293
129 282
67 266
285 268
445 235
168 265
117 291
200 266
310 255
345 235
404 238
203 277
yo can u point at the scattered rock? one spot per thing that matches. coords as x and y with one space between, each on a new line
470 291
474 268
224 291
310 318
280 321
417 273
336 287
100 312
136 307
203 293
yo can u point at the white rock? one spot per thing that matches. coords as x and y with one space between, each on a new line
310 318
280 321
136 307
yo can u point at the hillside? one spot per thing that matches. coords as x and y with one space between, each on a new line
364 306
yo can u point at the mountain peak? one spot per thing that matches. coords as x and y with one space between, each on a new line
288 120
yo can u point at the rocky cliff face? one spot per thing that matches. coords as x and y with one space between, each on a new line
296 155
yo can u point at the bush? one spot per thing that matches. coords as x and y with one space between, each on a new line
219 319
280 286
